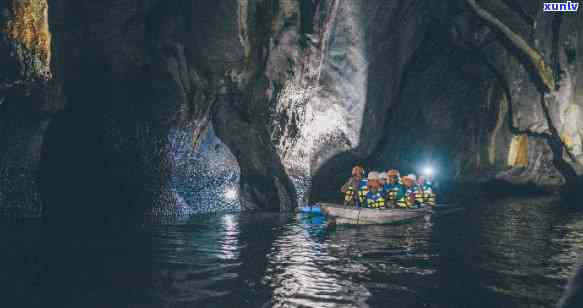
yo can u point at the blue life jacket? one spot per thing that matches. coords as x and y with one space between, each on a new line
390 191
404 193
363 190
428 195
427 186
375 200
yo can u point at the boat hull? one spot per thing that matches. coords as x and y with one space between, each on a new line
364 216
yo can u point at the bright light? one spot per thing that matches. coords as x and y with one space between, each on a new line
428 171
230 193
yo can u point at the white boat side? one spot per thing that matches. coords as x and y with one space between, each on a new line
362 216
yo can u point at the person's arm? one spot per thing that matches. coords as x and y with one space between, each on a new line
401 193
366 197
428 189
347 185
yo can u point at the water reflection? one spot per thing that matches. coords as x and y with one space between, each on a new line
516 250
301 271
567 238
505 253
229 244
191 259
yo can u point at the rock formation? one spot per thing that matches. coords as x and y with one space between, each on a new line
108 108
92 95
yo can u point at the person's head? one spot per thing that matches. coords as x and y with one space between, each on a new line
421 180
409 180
393 176
373 180
357 171
383 178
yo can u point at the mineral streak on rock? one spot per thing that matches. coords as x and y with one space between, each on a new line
28 26
518 154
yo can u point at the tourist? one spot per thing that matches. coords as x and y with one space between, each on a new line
383 178
392 186
374 196
426 189
393 176
409 192
354 188
424 184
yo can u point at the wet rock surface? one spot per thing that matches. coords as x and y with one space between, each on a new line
25 104
204 180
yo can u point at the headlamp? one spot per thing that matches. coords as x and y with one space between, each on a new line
428 171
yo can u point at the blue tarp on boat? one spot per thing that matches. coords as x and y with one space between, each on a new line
311 210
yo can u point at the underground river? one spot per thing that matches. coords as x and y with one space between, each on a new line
512 252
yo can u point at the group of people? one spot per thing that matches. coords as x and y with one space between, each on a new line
387 190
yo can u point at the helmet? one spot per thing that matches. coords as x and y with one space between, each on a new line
373 175
412 177
393 172
383 175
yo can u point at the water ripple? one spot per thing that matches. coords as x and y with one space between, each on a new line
515 252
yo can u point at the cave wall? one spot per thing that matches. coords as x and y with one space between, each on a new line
95 96
478 109
165 66
556 37
90 109
205 180
25 103
449 116
331 114
126 80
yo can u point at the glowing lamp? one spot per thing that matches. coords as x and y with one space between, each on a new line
428 171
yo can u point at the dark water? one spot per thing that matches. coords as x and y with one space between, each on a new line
504 253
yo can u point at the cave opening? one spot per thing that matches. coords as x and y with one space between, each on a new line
469 102
204 176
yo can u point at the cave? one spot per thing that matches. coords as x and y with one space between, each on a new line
118 115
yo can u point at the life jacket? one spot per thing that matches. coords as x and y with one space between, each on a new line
391 191
349 195
404 194
362 191
375 200
427 196
427 186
